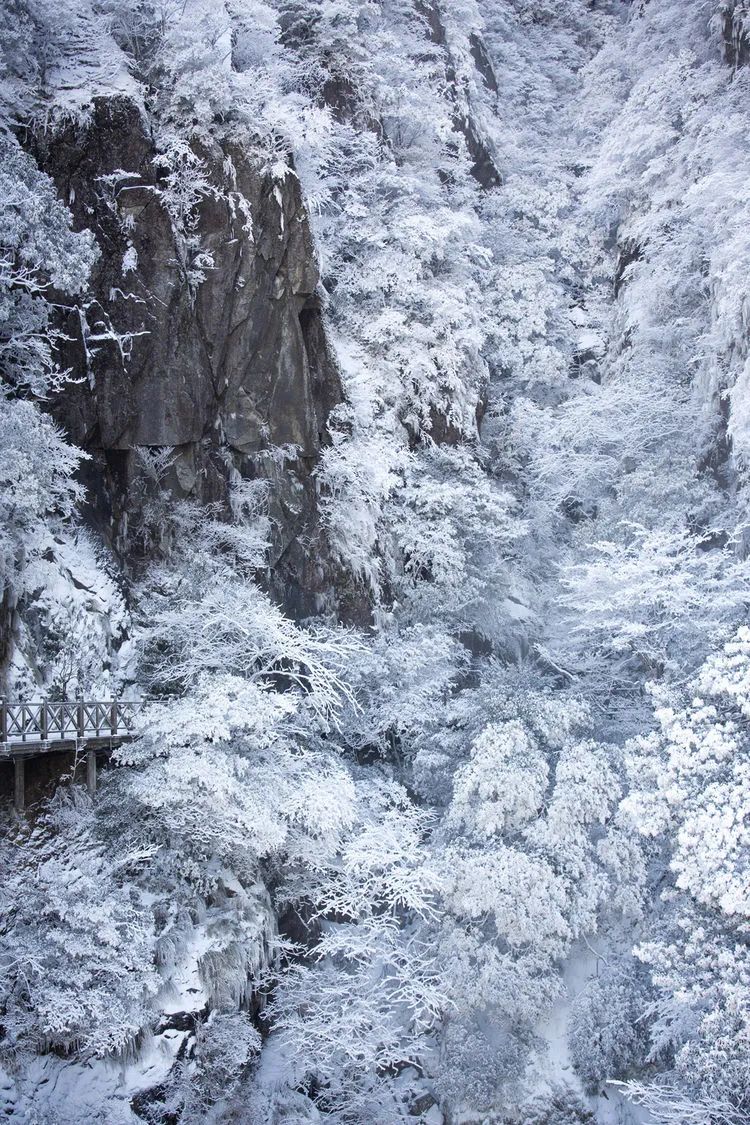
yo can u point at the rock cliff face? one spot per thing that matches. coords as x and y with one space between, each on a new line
229 372
484 170
735 27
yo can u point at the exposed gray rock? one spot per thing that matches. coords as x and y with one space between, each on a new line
735 27
223 372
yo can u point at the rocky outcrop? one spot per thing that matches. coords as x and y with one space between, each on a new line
483 169
734 20
202 334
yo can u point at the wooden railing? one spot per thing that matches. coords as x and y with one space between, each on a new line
30 724
31 730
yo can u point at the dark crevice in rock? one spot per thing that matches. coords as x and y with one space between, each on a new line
628 254
483 63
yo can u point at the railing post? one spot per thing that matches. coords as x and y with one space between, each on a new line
81 719
43 721
3 724
113 717
19 789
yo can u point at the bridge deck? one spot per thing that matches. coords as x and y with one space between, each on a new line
13 750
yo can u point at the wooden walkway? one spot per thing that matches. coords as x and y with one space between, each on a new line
28 730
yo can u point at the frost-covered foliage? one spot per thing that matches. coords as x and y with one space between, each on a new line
643 448
38 252
357 877
529 861
691 793
62 616
362 1002
56 58
36 472
77 949
608 1028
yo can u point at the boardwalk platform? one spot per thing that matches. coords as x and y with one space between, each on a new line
33 730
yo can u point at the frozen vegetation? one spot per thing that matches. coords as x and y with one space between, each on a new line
462 835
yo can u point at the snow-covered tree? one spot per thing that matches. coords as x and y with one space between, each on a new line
690 793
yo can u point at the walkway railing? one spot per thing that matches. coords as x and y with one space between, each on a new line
31 730
31 724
